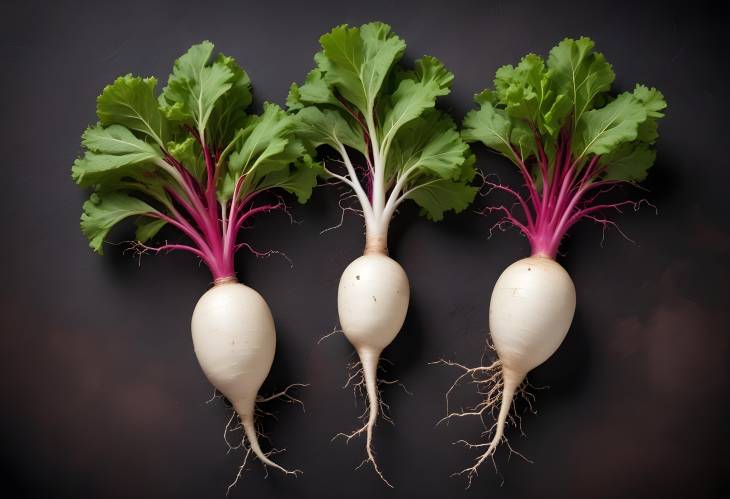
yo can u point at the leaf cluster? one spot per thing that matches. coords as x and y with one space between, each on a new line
149 150
536 104
360 97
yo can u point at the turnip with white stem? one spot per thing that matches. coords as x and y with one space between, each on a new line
194 159
388 144
571 141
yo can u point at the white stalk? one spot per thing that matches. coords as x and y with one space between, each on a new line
367 208
395 198
379 173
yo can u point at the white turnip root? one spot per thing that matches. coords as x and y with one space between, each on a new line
235 341
530 312
372 301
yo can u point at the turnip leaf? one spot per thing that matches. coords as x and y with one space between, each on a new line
229 113
314 90
416 92
531 95
600 131
130 101
431 143
491 126
358 61
297 178
440 195
580 73
111 152
328 126
147 228
194 86
270 156
189 154
629 162
262 139
104 210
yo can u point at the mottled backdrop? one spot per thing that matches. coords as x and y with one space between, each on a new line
101 393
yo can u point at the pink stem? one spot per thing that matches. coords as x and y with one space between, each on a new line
528 180
213 231
541 158
587 211
186 229
557 208
562 201
199 219
173 247
210 186
229 238
216 241
564 212
191 188
509 217
520 200
210 173
191 184
590 172
602 183
254 211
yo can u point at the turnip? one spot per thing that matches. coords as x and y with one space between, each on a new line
572 141
194 159
235 340
376 125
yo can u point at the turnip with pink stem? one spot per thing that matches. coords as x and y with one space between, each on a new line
194 159
571 141
377 124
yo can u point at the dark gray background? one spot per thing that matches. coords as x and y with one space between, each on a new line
101 393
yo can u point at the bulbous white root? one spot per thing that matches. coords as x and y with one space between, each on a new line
251 432
499 389
372 302
530 312
235 341
363 374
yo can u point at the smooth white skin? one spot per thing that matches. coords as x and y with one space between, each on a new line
235 341
532 306
372 301
531 310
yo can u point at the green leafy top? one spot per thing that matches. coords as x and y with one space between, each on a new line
571 139
534 102
359 98
192 156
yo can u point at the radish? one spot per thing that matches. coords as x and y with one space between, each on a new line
194 159
376 125
572 142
